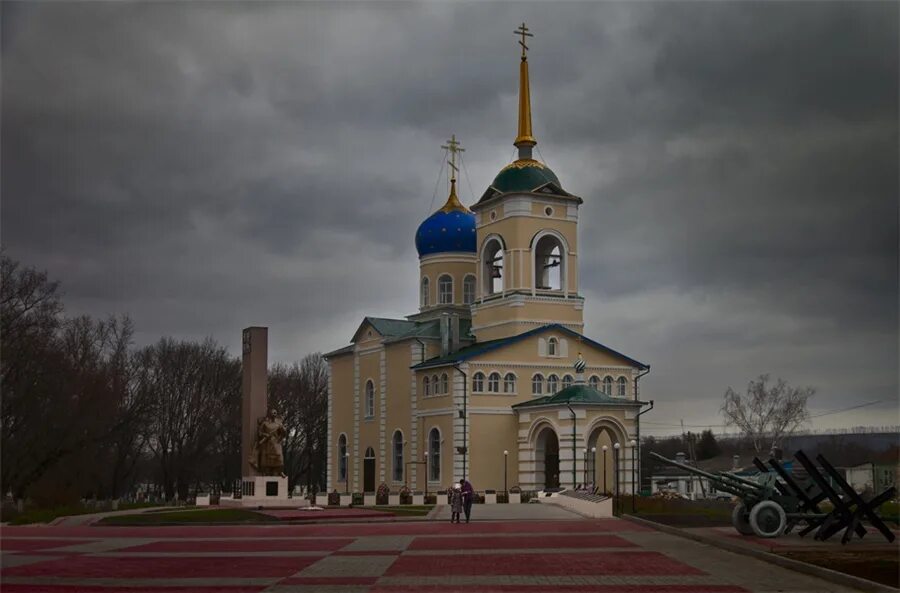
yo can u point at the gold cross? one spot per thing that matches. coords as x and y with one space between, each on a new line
523 31
453 146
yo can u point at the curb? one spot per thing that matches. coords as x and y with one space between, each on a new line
826 574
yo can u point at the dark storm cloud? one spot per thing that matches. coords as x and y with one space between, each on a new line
208 166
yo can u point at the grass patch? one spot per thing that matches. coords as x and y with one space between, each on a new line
881 566
680 513
46 515
404 510
189 516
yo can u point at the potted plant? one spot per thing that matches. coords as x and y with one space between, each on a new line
382 494
515 495
405 496
490 497
334 498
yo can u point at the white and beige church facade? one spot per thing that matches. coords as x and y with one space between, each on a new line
483 381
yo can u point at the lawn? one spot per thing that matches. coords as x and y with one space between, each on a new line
680 513
189 517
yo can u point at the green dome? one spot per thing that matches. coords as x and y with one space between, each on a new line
524 175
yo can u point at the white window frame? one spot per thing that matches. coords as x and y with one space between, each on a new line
478 382
494 379
594 382
469 289
607 384
370 399
342 458
435 386
537 384
552 384
567 381
552 347
509 383
425 290
445 384
398 469
426 386
445 289
621 387
434 456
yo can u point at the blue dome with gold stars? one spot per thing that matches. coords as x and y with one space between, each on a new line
452 228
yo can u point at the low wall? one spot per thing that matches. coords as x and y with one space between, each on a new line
595 510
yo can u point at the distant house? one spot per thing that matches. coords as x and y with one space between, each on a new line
872 477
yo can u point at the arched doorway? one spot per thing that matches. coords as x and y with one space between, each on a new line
547 458
601 460
369 470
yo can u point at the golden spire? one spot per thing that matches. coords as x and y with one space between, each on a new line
525 140
453 203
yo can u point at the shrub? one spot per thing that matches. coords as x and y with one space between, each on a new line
405 496
357 499
334 498
381 496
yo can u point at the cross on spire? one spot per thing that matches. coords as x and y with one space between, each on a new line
453 146
523 31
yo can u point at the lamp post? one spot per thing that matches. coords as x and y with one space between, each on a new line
605 489
594 466
633 444
616 447
505 459
347 473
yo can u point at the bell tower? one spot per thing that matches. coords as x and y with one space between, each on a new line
527 240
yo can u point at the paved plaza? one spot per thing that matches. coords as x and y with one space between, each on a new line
557 552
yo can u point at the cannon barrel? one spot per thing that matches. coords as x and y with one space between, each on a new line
730 483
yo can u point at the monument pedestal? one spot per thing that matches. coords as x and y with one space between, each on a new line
266 491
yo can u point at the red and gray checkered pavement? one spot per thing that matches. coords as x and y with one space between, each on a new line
606 556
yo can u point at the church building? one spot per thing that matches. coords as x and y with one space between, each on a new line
493 378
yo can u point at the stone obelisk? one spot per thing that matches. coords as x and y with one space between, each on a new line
254 386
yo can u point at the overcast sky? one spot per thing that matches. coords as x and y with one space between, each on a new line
208 166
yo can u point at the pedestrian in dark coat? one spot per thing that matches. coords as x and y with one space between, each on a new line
468 497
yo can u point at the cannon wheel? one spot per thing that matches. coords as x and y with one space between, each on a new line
740 518
767 519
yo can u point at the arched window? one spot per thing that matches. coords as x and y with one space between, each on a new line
425 289
370 453
492 267
509 383
549 263
595 382
445 389
426 386
342 458
434 455
552 384
537 384
494 382
370 399
445 290
435 386
469 290
607 385
621 386
552 347
398 456
478 382
567 381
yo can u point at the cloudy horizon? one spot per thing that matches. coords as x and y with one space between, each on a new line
204 167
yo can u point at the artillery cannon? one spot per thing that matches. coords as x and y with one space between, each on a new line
774 502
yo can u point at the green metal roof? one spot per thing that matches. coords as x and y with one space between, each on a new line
580 393
529 176
481 347
391 327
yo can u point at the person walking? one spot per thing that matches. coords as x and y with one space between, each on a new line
455 497
468 495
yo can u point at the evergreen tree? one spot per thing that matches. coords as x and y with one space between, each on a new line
707 447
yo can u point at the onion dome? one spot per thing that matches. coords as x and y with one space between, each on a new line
450 229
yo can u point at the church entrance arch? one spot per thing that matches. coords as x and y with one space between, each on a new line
547 458
369 470
601 461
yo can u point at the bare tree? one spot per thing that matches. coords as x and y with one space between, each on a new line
190 386
299 394
767 412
